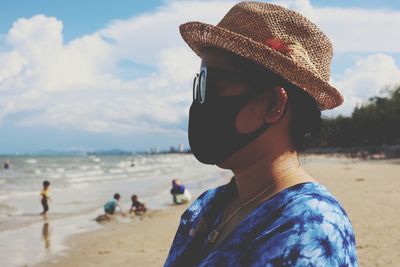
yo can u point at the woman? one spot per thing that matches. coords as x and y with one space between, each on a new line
256 103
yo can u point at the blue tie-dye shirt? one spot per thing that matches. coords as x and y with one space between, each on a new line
303 225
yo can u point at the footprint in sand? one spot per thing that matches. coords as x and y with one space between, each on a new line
104 252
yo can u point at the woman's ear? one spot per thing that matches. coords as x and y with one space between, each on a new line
277 99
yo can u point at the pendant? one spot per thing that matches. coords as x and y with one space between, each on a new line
213 236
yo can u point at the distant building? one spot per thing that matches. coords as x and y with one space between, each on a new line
181 148
154 150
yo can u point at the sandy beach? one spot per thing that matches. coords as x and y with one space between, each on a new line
366 189
143 242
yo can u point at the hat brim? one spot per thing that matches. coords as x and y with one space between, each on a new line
200 36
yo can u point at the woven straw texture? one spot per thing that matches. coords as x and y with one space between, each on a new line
279 39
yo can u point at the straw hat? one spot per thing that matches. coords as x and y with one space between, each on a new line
279 39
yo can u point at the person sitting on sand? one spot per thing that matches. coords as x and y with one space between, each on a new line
137 206
180 194
45 197
111 206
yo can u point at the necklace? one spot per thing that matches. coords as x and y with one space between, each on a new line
213 236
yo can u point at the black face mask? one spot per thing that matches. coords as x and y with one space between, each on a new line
212 132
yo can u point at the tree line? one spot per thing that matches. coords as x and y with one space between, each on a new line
374 123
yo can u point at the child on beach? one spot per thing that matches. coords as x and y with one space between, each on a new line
45 197
180 195
110 206
137 206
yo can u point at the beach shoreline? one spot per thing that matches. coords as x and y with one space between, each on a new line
80 186
142 242
366 189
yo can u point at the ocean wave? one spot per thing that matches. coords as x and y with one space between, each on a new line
83 174
115 171
31 161
95 159
18 194
96 178
60 170
79 185
55 176
124 164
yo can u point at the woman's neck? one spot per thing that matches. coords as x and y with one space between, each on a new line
278 173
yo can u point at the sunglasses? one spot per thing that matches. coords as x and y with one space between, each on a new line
199 86
209 75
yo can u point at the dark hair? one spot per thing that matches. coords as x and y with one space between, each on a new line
306 121
46 183
133 197
117 196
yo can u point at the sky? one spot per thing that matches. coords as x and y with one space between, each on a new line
92 75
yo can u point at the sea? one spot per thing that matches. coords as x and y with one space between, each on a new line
80 185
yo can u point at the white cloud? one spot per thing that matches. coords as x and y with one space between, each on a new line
353 29
41 31
368 77
77 84
141 38
361 30
302 6
10 64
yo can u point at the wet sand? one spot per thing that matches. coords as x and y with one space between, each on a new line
143 242
368 190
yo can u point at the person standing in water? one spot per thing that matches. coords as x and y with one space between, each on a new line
45 197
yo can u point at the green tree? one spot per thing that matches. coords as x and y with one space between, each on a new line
376 122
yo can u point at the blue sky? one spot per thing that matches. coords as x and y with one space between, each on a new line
115 74
84 17
79 17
